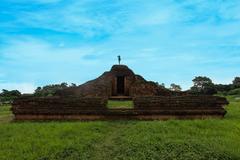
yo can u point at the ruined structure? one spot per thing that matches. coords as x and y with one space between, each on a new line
89 101
145 108
119 81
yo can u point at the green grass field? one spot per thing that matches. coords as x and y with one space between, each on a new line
135 140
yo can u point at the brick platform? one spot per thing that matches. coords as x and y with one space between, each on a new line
145 108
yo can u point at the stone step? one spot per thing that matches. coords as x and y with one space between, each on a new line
121 98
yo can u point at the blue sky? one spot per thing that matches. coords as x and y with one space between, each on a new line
52 41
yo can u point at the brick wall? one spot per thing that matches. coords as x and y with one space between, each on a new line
58 105
93 108
181 105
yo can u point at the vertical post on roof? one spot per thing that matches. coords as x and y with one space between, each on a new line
119 59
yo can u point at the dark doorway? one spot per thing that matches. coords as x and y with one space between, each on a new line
120 85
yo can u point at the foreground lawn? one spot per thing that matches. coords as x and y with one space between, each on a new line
136 140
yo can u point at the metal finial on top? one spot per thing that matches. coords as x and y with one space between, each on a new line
119 59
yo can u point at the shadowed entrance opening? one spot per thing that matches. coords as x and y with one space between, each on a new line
120 85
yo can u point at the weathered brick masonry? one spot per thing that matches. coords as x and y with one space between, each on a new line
88 101
57 107
147 108
119 81
181 106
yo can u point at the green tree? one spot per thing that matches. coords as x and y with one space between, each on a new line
236 82
203 85
73 85
49 90
8 96
64 85
224 88
175 87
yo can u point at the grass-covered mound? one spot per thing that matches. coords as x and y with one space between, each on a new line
173 139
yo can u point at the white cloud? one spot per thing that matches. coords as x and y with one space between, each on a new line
89 18
22 87
27 49
29 59
163 35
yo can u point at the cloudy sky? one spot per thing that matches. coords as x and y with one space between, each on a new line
52 41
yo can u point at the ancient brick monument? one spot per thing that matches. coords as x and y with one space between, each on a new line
88 101
119 81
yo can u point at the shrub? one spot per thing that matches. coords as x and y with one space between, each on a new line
234 92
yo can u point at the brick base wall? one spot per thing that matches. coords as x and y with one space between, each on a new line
145 108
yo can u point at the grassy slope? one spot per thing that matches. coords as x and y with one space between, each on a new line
174 139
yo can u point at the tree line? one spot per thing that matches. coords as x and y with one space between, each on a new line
204 85
7 97
50 90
